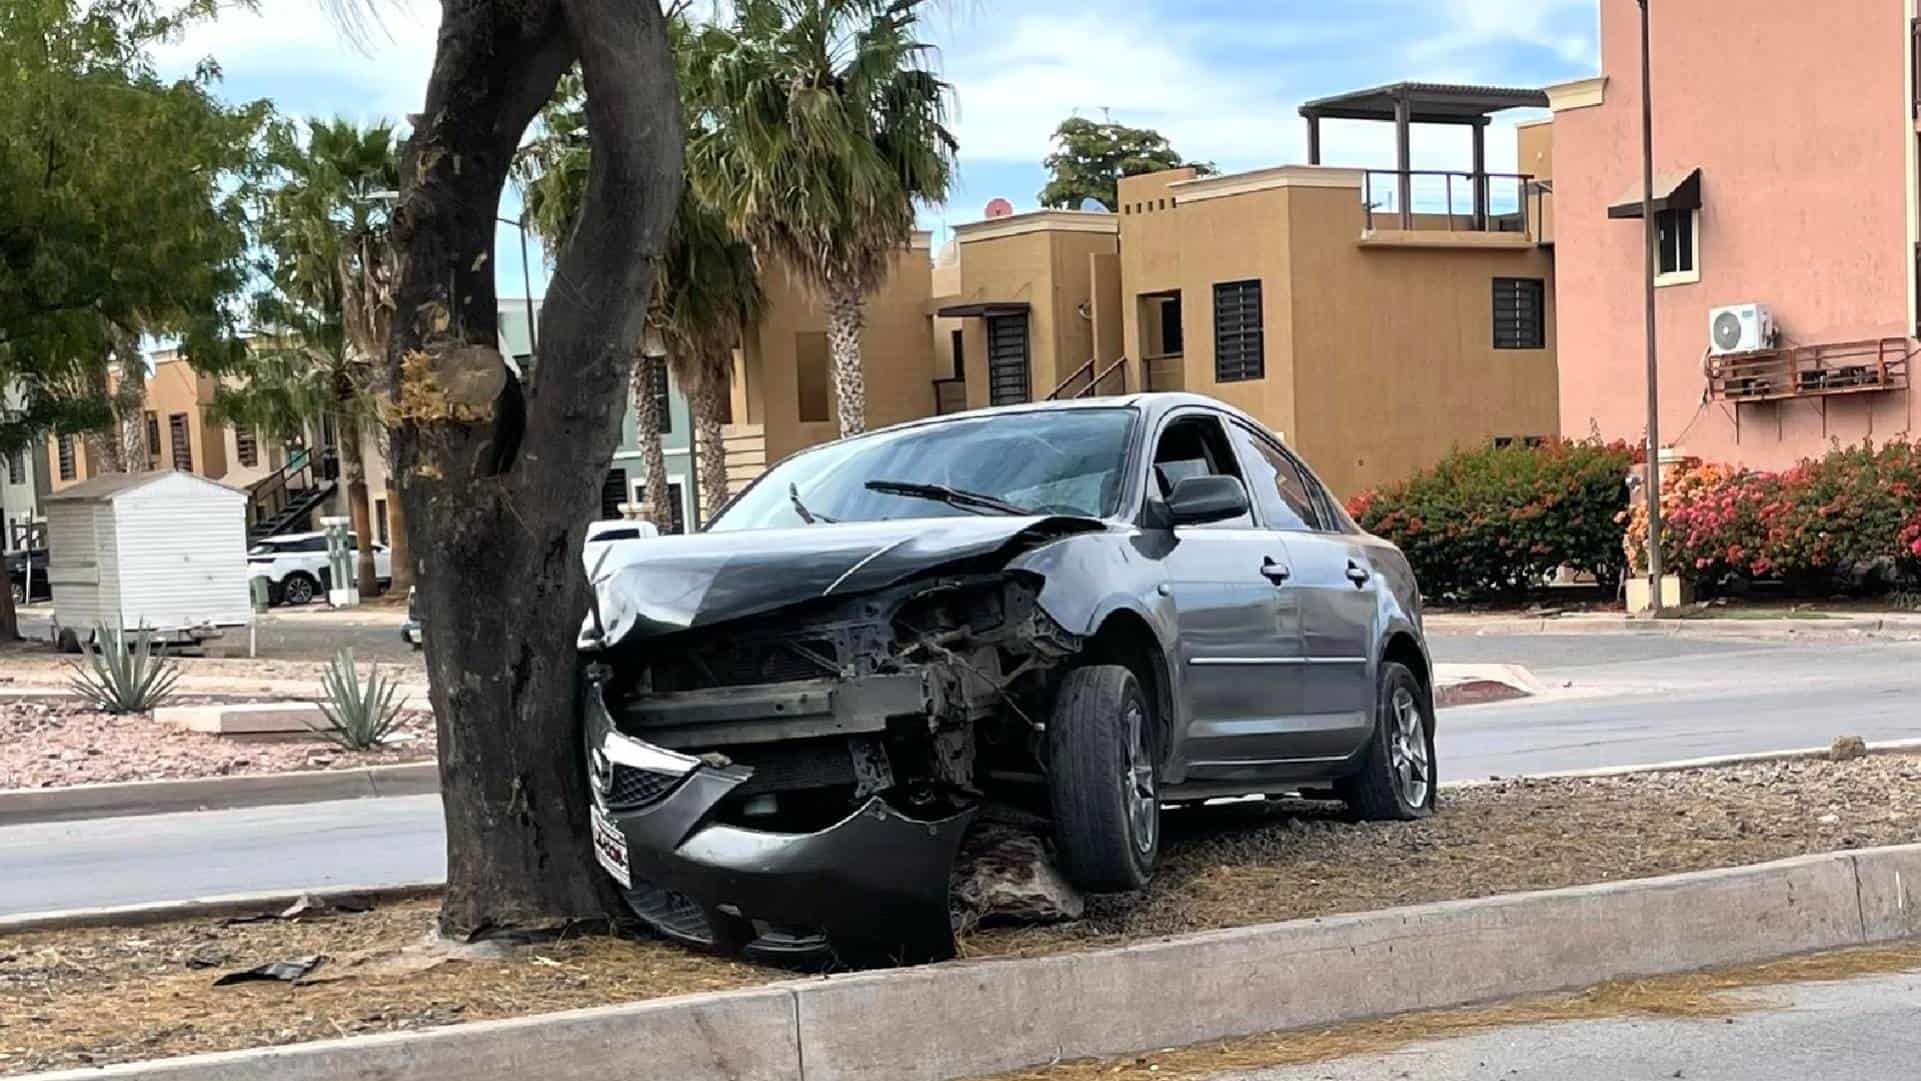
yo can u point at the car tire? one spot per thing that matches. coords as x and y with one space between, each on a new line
1396 782
298 588
1103 780
19 591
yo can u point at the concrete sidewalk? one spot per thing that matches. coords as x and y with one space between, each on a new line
1895 625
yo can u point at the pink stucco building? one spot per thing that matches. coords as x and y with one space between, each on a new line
1785 139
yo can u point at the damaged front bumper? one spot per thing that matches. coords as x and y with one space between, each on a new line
869 889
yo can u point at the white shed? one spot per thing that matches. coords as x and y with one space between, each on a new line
167 550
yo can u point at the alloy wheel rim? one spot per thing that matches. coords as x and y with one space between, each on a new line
298 591
1408 760
1137 775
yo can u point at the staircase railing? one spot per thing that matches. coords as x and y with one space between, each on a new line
261 494
1095 380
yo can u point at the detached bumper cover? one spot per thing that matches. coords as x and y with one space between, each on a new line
869 889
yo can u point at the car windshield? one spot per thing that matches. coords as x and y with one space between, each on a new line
1059 461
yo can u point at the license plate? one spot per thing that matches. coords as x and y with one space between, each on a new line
610 848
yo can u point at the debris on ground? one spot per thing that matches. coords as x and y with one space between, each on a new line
1005 875
1847 748
291 970
113 994
50 743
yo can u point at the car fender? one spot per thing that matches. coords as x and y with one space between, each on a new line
1086 579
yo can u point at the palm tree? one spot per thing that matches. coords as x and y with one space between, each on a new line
323 228
706 293
816 125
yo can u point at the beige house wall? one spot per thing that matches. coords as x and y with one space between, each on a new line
1394 362
897 356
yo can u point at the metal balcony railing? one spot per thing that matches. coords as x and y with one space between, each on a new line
1441 200
1810 371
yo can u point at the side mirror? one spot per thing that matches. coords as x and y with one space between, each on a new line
1199 500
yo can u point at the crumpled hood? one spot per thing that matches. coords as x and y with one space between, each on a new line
671 583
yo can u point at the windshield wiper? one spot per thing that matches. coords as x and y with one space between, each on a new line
957 497
793 496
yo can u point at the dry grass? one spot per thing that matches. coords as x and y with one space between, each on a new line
101 995
1703 995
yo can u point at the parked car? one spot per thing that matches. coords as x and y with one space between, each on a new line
1083 610
17 575
295 566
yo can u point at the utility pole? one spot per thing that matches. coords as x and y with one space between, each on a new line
1648 225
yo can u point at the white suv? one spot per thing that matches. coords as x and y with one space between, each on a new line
295 566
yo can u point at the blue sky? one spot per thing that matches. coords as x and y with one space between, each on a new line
1220 79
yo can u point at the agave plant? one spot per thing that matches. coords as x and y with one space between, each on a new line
359 716
124 677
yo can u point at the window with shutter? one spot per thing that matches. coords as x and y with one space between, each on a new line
66 457
153 440
245 446
1520 313
1008 378
613 492
181 439
1239 342
657 385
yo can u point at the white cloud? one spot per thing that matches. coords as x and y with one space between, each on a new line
294 52
1542 24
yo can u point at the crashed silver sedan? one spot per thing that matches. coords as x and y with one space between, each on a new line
1076 612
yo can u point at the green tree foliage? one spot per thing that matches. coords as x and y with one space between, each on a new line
1090 158
816 126
122 203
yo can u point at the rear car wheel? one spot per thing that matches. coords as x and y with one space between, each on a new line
1396 782
298 588
1103 780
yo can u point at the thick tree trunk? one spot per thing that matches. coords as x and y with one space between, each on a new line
845 316
500 480
400 553
710 445
653 456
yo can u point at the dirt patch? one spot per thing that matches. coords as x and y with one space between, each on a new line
54 743
1700 995
102 995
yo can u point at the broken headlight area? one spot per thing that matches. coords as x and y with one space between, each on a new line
807 776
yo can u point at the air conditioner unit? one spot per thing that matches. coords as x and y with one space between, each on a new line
1740 328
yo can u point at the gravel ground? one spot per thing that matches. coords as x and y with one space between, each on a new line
35 664
71 998
52 743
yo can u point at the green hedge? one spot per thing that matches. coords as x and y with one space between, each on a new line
1497 521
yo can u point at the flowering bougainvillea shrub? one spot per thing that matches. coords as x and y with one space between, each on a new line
1855 511
1496 521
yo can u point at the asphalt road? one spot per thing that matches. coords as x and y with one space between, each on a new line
1860 1030
1627 700
121 861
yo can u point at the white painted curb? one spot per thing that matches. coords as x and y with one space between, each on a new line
22 805
965 1018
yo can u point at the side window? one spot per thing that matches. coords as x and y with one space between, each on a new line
1285 493
1195 446
311 544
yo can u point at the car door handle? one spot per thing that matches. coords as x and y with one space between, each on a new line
1357 573
1275 572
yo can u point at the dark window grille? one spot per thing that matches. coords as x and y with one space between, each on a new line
1239 342
178 434
676 508
1675 236
613 492
657 386
153 440
66 457
959 341
246 447
17 466
1008 379
1520 313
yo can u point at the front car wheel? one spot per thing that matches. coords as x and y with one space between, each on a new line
1397 777
1103 780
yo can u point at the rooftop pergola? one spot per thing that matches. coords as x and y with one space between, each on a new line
1407 104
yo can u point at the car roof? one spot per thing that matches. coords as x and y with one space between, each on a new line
1154 404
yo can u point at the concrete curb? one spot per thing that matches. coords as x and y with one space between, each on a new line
229 904
965 1018
1890 746
23 805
